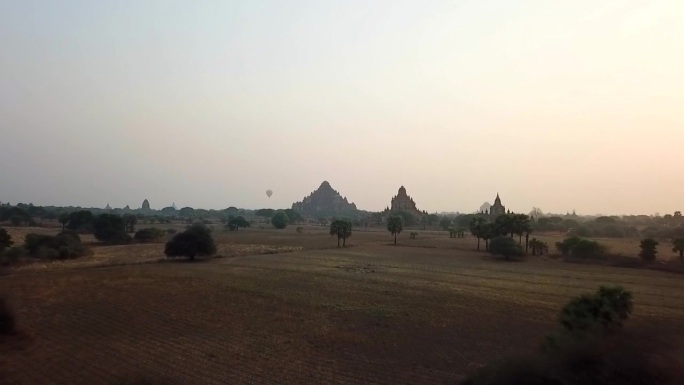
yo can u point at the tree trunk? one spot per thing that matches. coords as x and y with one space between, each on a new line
520 239
478 243
681 254
527 242
192 257
344 242
395 239
338 241
486 244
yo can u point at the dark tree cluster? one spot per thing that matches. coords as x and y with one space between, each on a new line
342 228
193 242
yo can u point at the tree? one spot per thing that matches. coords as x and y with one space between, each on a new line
280 220
476 228
63 219
648 249
7 323
130 221
195 241
678 247
395 225
342 228
237 222
505 247
538 247
267 214
80 221
186 212
294 216
111 229
445 222
5 240
489 231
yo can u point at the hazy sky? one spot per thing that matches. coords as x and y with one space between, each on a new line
564 105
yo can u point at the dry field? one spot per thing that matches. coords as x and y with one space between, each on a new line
283 307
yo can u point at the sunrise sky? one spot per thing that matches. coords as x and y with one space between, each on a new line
562 105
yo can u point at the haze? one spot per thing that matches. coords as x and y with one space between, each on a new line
561 105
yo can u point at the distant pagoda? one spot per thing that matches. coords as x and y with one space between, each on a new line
325 202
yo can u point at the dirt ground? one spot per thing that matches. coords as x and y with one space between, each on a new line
284 307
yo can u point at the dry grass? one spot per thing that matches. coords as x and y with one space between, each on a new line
370 313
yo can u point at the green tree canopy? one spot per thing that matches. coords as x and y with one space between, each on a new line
195 241
678 247
111 229
280 220
505 247
648 249
342 228
395 225
236 222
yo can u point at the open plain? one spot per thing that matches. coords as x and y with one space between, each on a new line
282 307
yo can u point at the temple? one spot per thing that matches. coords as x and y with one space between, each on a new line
497 208
325 202
403 202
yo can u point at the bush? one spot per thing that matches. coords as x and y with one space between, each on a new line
12 255
505 246
148 234
300 229
605 310
280 220
64 245
413 235
7 323
171 231
580 247
195 241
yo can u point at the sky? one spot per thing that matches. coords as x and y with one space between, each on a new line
561 105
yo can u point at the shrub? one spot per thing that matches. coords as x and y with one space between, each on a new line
64 245
171 231
195 241
12 255
505 246
148 234
280 220
580 247
300 229
413 235
605 310
648 249
7 323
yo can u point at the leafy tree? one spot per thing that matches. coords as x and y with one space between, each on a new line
111 229
678 247
265 213
130 221
5 240
521 225
580 247
63 219
237 222
489 231
186 212
195 241
294 216
476 228
148 234
505 247
605 310
445 222
395 225
280 220
342 228
648 249
80 221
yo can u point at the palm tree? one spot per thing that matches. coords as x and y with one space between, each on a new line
678 247
395 224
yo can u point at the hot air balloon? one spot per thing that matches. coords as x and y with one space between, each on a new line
269 193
